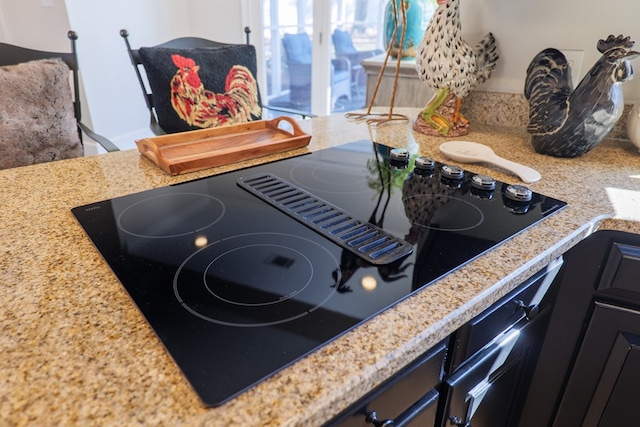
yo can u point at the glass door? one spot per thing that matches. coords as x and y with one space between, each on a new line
303 69
288 52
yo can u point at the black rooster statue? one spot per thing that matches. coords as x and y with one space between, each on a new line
452 68
567 123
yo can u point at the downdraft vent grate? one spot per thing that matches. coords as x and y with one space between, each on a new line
361 238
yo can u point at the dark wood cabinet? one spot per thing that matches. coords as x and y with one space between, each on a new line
563 349
492 355
480 380
408 399
589 366
610 348
482 392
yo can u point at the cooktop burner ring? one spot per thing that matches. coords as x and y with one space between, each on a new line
211 288
328 175
214 285
156 217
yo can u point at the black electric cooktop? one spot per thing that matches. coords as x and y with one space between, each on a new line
242 274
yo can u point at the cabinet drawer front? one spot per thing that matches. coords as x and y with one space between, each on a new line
515 306
479 392
408 388
423 413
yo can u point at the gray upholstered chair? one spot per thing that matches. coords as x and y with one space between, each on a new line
25 70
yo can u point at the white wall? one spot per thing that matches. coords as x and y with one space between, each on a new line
217 20
27 23
524 27
115 104
115 101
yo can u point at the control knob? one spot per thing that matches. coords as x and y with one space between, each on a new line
518 193
424 165
452 172
483 182
399 157
517 198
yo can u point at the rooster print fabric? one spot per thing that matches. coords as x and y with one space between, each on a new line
203 87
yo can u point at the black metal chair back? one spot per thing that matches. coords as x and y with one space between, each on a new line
180 43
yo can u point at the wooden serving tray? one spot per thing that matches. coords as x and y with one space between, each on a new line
183 152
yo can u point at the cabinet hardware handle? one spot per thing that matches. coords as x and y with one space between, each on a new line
530 311
458 422
372 418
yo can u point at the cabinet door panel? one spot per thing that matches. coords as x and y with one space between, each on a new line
606 373
620 275
624 396
601 270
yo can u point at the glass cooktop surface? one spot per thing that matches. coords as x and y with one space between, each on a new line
237 288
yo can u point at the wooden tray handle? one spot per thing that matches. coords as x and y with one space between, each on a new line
151 151
275 123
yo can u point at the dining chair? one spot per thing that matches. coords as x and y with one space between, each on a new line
298 51
41 107
155 66
345 48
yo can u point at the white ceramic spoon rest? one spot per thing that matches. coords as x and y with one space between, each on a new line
472 152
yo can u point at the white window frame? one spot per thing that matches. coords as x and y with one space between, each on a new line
252 12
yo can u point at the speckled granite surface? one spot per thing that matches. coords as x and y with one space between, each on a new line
75 350
512 110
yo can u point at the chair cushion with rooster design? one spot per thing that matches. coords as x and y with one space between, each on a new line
204 87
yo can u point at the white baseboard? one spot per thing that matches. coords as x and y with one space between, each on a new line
128 141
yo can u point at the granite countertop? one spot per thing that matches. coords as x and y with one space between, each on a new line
76 351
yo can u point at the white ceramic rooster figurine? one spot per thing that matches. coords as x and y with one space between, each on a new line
448 65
